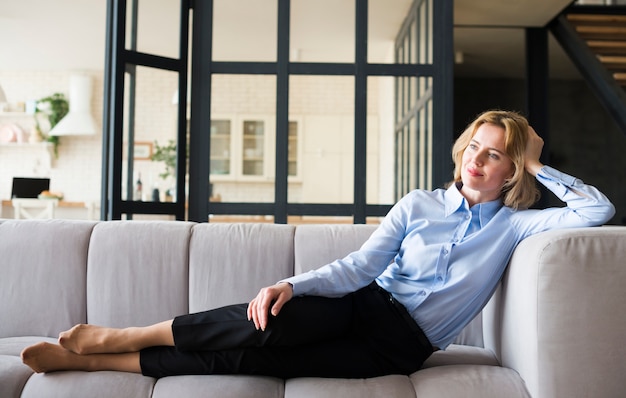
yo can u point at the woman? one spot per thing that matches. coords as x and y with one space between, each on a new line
427 270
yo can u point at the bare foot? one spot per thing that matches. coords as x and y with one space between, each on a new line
46 357
91 339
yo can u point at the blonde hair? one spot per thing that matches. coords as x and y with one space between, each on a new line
519 191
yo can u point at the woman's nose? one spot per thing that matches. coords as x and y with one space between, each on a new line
478 158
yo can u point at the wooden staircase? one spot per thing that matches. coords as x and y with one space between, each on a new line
606 36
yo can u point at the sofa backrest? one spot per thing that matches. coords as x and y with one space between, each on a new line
229 263
137 272
121 273
317 245
42 276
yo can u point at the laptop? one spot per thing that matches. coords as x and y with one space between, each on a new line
30 188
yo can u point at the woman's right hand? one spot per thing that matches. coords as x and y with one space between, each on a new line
271 298
534 146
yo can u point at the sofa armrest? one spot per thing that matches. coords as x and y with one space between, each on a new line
559 316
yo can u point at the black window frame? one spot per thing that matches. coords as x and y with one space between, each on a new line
203 67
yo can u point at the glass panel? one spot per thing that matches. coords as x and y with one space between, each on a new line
292 155
412 153
322 31
155 20
325 107
384 22
243 171
253 149
220 147
150 125
380 140
244 30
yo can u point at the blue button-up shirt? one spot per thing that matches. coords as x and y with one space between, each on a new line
442 259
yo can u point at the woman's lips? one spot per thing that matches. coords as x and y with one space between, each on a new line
473 172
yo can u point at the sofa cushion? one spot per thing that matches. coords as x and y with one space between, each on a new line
15 345
461 354
13 376
317 245
43 269
137 272
229 263
219 386
468 381
88 384
396 386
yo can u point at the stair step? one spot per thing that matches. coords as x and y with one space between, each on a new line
612 59
601 30
596 18
620 78
607 47
613 62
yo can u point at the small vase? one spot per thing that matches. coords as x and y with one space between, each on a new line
35 135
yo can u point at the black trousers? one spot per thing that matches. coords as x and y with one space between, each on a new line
363 334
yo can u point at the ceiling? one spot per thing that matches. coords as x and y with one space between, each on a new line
70 34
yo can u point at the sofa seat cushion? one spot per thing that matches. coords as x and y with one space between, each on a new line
219 386
461 354
468 381
15 345
396 386
88 384
13 376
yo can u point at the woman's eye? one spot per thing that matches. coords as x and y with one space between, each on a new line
494 156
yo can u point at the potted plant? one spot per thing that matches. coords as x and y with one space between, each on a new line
167 155
55 107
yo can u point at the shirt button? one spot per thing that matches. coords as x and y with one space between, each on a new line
445 251
422 293
439 279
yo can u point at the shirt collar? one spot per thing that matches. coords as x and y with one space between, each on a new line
454 201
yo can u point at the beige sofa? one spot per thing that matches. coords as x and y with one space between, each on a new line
555 327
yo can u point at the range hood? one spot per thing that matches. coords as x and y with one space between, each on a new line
79 120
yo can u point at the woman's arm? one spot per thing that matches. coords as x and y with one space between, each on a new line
586 205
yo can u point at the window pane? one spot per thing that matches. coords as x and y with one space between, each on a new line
153 128
253 154
322 31
385 18
155 21
293 149
244 30
325 106
243 138
221 147
380 140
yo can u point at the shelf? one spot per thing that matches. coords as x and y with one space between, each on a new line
9 115
45 146
42 144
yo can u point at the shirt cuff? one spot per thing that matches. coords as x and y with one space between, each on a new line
553 174
301 283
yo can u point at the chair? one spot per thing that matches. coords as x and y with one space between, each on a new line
34 208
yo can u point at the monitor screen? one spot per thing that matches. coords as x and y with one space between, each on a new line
24 187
